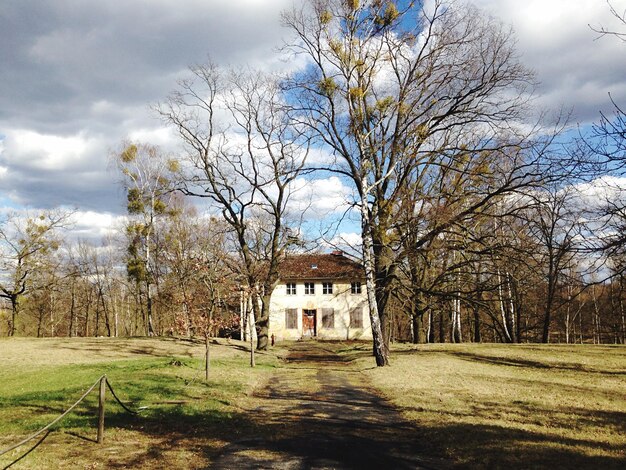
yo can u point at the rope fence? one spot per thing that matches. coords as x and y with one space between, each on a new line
103 382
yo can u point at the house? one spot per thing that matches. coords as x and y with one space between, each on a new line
321 296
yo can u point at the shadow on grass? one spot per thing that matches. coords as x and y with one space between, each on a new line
109 346
338 423
487 446
337 427
526 363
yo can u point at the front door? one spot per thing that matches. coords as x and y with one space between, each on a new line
309 325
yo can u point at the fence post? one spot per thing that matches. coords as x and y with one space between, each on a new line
103 381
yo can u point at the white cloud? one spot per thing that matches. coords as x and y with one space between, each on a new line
31 149
348 242
595 194
78 77
94 226
320 198
163 137
576 71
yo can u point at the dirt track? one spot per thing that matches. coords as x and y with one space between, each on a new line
319 412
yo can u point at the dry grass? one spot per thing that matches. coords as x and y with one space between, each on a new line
519 406
481 406
187 423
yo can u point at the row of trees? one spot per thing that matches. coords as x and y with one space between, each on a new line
513 278
58 288
476 223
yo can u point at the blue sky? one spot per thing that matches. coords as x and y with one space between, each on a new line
78 77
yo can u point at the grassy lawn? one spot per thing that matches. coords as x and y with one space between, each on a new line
481 406
187 420
518 406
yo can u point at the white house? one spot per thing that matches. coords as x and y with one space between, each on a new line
322 296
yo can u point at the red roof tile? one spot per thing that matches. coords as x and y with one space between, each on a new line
327 266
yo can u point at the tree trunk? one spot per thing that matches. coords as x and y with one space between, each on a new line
263 324
511 307
622 316
430 335
547 318
477 338
416 327
97 330
243 309
14 309
503 309
207 357
150 325
442 328
70 333
107 323
597 334
455 326
381 352
251 326
86 325
40 316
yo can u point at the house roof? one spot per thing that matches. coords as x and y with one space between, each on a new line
320 266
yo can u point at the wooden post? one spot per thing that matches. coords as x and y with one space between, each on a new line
207 357
101 409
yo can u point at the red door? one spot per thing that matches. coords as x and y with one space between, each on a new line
308 323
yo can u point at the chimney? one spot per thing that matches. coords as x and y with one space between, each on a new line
337 253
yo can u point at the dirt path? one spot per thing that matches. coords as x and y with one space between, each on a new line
319 412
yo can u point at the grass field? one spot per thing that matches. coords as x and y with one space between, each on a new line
515 406
481 406
181 428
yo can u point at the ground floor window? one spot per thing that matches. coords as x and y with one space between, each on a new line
291 318
328 317
356 317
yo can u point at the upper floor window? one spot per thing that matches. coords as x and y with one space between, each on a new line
291 288
309 288
355 287
327 287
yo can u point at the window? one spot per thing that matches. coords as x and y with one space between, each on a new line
309 288
291 288
356 318
327 287
355 288
328 317
291 318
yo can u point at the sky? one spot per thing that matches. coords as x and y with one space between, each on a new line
77 77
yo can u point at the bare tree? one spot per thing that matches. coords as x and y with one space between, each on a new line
245 168
407 98
25 242
555 222
146 176
605 31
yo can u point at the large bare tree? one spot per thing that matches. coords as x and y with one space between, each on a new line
410 98
243 153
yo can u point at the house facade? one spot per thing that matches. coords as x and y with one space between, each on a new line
320 296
